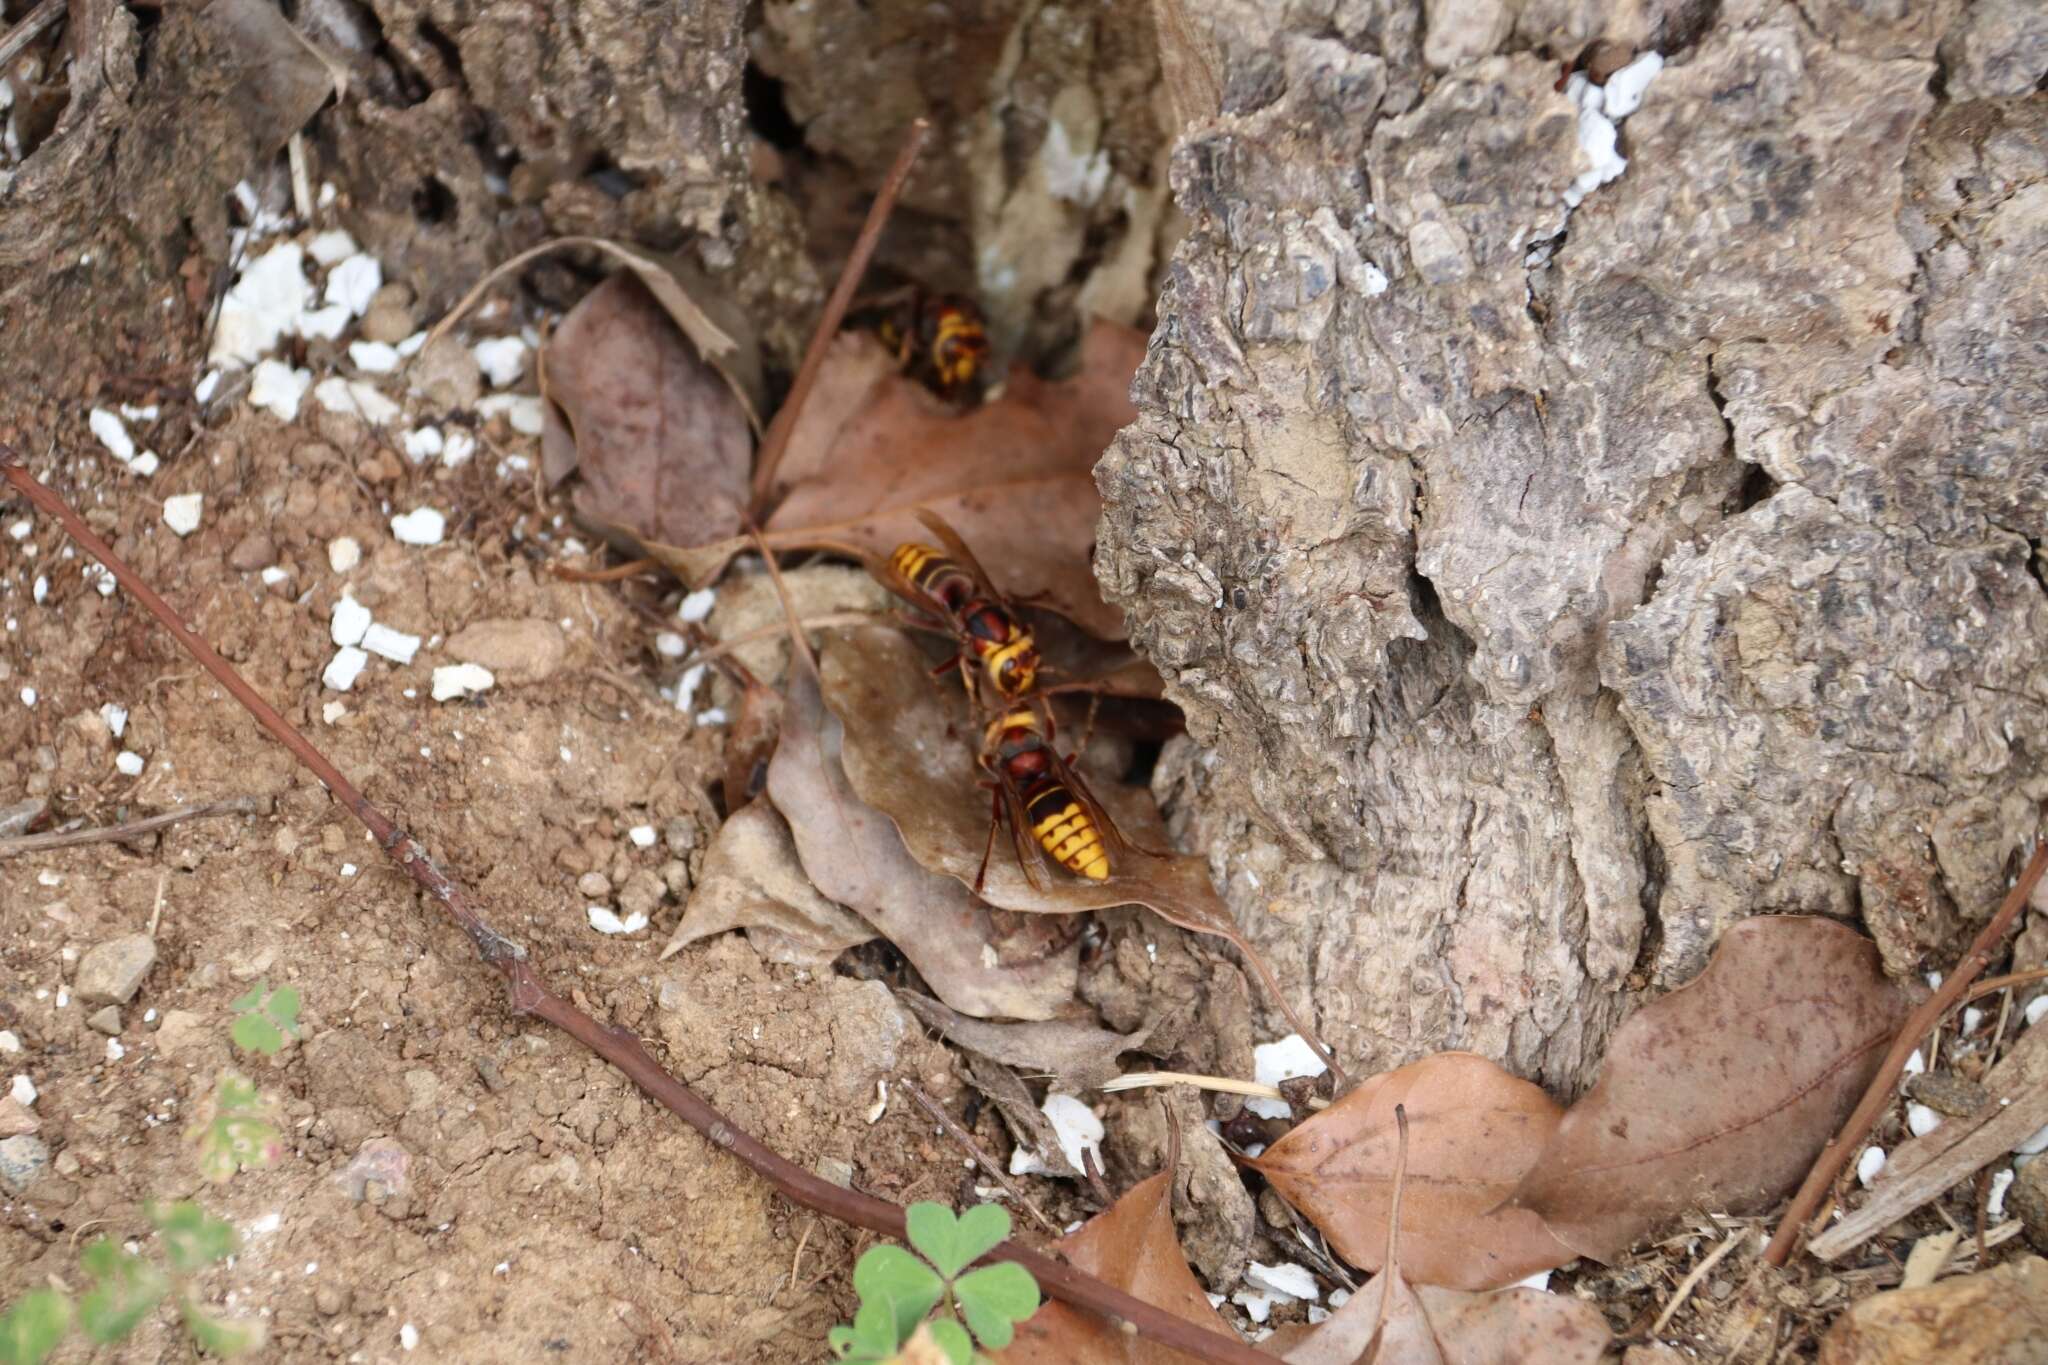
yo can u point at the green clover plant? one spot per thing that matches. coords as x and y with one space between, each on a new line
898 1291
264 1018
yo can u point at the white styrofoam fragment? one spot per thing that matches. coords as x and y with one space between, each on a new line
353 282
182 512
22 1090
265 303
373 357
102 579
1994 1200
324 324
408 1336
344 668
423 443
1374 280
606 921
41 588
711 715
343 553
1625 87
115 1052
457 446
274 574
116 717
28 696
1256 1306
670 645
356 398
642 836
1972 1017
128 763
2037 1009
697 605
421 526
1920 1120
1868 1165
1280 1061
394 645
202 392
522 410
1540 1282
146 413
333 711
686 686
277 388
412 345
145 464
460 680
20 530
1286 1279
113 434
9 1041
1916 1064
502 359
348 622
331 247
1076 1128
2034 1145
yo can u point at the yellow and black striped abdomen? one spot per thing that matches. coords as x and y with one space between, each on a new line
1065 830
913 562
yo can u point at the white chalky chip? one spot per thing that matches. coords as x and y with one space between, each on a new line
697 605
343 554
460 680
130 764
116 718
354 282
331 247
373 357
1868 1165
324 324
394 645
274 575
421 526
1921 1120
1284 1060
502 359
1074 1124
181 513
457 447
1286 1278
277 388
23 1090
606 922
354 398
642 836
349 622
423 443
344 668
113 434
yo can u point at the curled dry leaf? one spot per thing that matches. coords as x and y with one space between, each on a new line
660 440
285 78
1430 1325
1131 1245
1720 1095
1029 1127
752 881
855 856
1077 1056
1473 1132
910 752
1013 476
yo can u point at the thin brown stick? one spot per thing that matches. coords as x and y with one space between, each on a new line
615 573
1834 1156
1999 983
1693 1278
32 23
776 442
617 1046
974 1149
106 834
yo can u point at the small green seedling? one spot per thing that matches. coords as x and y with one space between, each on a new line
264 1018
237 1127
897 1290
126 1288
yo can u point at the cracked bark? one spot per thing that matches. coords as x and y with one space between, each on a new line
1544 601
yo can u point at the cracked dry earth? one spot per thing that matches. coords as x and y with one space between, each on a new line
456 1177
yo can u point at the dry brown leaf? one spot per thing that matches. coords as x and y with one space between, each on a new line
1077 1056
1013 476
1020 1112
1430 1325
661 442
855 856
910 752
1473 1132
285 78
752 881
1719 1095
1133 1247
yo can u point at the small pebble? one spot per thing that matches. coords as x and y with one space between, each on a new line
106 1019
116 718
333 711
21 1089
460 680
697 605
1921 1120
344 668
594 885
643 836
128 763
394 645
112 433
1868 1165
112 971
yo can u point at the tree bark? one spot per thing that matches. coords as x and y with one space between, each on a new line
1550 587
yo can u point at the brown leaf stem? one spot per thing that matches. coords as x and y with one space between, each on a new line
1833 1157
777 440
617 1046
132 829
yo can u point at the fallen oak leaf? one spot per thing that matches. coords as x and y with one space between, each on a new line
1432 1325
1077 1056
854 855
1720 1094
1474 1131
660 440
753 881
909 751
1133 1246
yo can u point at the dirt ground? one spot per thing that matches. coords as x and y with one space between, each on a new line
531 1204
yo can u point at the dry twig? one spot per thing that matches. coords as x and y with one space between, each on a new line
618 1046
974 1149
108 834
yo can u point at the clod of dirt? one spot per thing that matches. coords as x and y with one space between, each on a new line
22 1159
523 651
110 972
1997 1316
